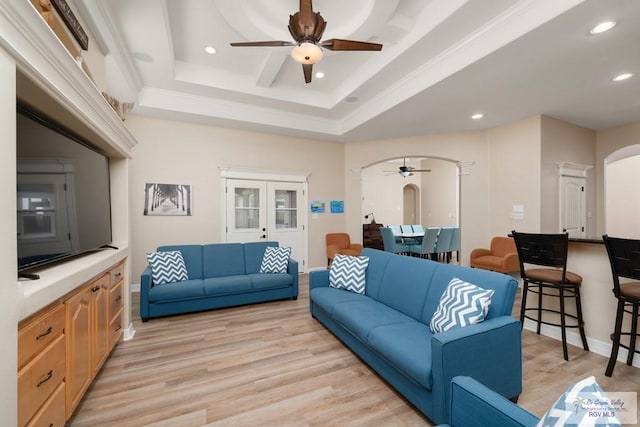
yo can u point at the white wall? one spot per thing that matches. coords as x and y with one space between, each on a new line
622 197
8 251
172 152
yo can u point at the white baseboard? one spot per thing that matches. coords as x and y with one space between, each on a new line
595 346
134 287
129 332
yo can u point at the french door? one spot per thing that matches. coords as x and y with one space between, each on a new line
258 210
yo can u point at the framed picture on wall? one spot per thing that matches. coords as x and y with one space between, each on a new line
167 200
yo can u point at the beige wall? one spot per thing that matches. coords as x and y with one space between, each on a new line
439 193
466 147
564 142
607 142
172 152
514 177
622 197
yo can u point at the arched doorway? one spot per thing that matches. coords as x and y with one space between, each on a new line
621 198
411 204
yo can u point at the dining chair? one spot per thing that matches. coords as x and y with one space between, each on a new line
397 232
624 257
426 249
443 243
454 246
390 244
553 280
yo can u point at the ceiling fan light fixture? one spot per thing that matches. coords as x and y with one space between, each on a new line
307 53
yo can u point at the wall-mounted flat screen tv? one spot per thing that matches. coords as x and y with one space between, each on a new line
63 197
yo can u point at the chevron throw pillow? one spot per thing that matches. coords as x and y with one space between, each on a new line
583 404
167 267
348 273
460 305
275 259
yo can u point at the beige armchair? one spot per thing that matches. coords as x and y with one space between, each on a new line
340 243
501 257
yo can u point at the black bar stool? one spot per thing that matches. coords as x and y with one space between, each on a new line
549 250
624 256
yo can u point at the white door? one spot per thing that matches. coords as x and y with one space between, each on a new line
267 210
573 206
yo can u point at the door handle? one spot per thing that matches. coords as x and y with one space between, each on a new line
264 236
264 229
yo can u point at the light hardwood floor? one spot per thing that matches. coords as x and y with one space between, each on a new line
272 364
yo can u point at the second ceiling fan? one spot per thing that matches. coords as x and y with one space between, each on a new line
306 27
405 170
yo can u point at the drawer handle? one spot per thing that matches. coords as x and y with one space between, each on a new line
119 298
118 274
44 334
95 289
49 376
118 328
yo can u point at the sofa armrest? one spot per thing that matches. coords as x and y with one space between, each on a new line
292 269
318 279
490 352
511 262
478 252
145 285
472 403
356 246
332 250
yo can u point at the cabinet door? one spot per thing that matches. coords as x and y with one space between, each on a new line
101 334
79 372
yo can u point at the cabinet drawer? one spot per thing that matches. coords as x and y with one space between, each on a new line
115 329
39 378
51 414
115 300
117 273
39 333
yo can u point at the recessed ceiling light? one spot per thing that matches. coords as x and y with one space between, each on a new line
319 75
602 27
621 77
210 49
477 116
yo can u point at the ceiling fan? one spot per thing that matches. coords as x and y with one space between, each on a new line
406 171
306 27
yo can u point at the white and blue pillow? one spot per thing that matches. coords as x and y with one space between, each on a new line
348 273
167 267
275 259
583 404
461 304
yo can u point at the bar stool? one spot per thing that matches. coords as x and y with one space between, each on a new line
549 250
624 256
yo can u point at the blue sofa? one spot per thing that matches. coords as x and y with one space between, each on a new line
220 275
473 404
388 328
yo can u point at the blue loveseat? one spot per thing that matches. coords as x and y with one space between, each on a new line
388 328
220 275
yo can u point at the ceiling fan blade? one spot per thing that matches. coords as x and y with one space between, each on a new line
340 44
421 170
308 70
273 43
306 13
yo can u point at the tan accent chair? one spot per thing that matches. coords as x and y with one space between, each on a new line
340 243
501 257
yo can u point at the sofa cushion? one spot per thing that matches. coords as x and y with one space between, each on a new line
176 291
348 273
461 304
327 298
361 316
275 259
253 253
192 255
407 347
167 267
223 259
226 285
565 412
270 281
